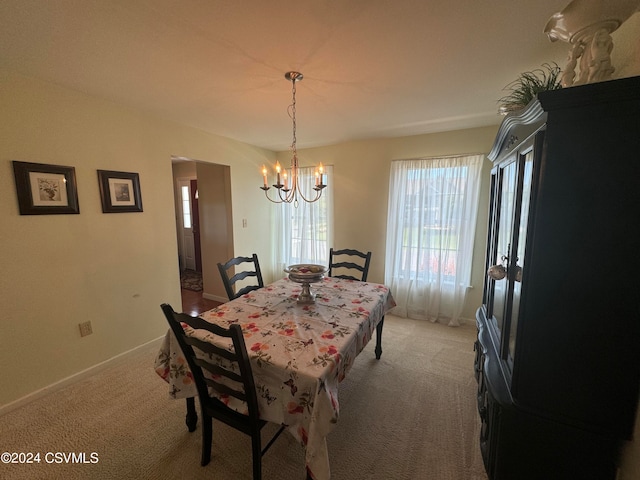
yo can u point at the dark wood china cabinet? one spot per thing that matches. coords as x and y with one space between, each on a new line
558 349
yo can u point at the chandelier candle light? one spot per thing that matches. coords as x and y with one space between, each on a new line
288 185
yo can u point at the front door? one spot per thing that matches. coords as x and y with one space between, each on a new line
195 220
186 223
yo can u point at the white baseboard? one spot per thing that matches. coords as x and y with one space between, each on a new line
76 377
217 298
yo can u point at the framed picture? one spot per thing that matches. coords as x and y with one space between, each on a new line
45 189
119 191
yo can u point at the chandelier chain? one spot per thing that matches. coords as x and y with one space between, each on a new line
293 116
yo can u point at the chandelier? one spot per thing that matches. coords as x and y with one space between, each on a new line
288 183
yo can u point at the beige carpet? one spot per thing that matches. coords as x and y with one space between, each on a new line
410 415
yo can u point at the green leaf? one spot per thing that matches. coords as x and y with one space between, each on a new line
528 85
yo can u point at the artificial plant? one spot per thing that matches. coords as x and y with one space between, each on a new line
528 85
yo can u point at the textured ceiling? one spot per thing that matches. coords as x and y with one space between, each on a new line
372 68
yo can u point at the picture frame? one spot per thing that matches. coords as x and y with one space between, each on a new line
44 189
119 191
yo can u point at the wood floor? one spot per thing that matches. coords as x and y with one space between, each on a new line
194 304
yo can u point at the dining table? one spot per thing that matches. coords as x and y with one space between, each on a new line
299 353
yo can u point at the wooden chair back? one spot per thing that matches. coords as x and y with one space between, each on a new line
356 263
243 267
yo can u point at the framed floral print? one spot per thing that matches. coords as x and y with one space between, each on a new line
119 191
45 189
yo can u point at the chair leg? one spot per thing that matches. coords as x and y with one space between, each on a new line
207 432
378 349
256 448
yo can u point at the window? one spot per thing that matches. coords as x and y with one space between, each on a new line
304 233
430 231
186 206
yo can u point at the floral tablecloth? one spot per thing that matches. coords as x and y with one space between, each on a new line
299 353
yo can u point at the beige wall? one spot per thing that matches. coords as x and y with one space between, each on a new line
112 269
631 456
625 55
216 226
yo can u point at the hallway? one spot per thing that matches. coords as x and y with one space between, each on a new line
194 304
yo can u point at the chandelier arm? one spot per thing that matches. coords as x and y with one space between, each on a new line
269 198
295 186
288 196
308 200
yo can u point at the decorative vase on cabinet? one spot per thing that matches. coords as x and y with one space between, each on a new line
557 358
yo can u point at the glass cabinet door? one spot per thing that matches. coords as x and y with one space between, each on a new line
512 183
504 234
517 263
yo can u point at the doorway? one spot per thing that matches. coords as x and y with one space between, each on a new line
204 227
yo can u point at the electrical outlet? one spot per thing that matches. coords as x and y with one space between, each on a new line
244 223
85 329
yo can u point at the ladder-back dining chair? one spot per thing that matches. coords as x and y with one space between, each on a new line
356 263
242 270
237 382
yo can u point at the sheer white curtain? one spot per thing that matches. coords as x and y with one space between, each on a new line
431 222
304 233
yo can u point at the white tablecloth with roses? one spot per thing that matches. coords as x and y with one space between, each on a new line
299 353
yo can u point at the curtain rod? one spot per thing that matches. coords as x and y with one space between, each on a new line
438 157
